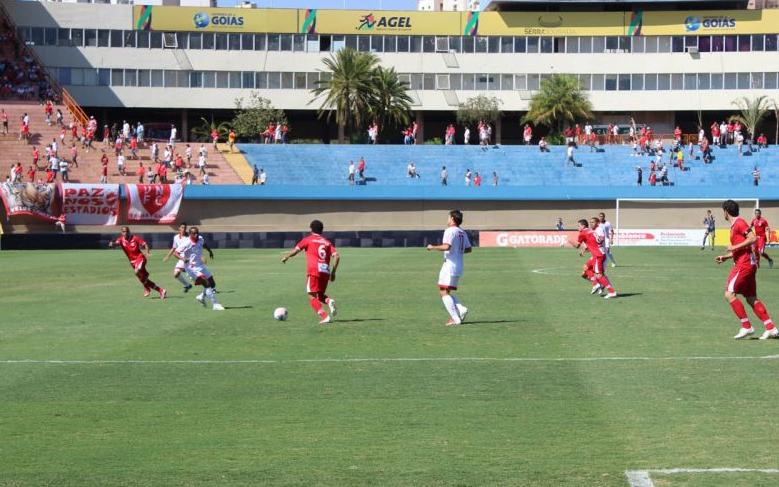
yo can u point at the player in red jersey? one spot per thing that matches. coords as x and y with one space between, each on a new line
319 272
594 269
136 249
763 233
741 279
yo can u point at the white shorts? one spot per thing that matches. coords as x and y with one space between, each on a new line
446 279
198 271
180 265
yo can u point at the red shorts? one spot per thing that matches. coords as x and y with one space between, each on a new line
760 246
596 264
742 281
138 264
317 284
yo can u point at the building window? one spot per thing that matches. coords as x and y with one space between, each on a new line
704 81
611 82
547 45
493 45
469 44
234 42
364 43
704 44
209 79
248 80
220 42
260 42
155 40
130 77
196 79
142 39
690 81
507 44
116 38
520 44
455 44
637 82
481 44
195 40
650 81
273 42
390 44
261 80
299 43
532 45
286 42
716 81
597 82
664 81
506 82
403 43
677 44
144 78
428 44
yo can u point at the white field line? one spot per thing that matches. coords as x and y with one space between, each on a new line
381 360
642 478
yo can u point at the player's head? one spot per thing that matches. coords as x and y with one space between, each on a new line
594 222
730 208
456 218
183 228
708 212
583 223
758 213
126 232
316 226
194 232
602 217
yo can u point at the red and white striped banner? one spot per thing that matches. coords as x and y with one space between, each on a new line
153 203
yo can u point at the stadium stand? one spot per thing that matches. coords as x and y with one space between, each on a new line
515 165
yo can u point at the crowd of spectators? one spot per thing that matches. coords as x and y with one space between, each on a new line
20 76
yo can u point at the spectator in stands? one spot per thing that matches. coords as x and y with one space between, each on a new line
162 173
255 175
231 140
54 164
285 133
715 133
173 135
411 170
527 134
60 118
639 175
664 175
350 176
64 166
592 141
569 154
104 168
35 156
444 176
74 155
494 178
120 164
577 133
543 146
559 225
263 177
4 118
756 176
762 142
568 134
373 133
468 177
477 180
277 134
652 177
134 147
361 169
16 172
449 135
141 173
678 134
739 139
206 180
214 137
31 174
466 135
139 132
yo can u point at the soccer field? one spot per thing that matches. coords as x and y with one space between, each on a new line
545 385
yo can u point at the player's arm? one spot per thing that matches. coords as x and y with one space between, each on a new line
145 249
210 252
113 243
750 239
722 258
468 250
442 247
336 261
170 252
290 254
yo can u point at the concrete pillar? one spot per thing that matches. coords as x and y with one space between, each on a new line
498 130
184 125
420 119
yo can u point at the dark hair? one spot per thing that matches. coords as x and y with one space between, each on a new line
316 226
731 207
758 210
584 222
457 216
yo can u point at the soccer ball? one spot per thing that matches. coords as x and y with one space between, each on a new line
280 314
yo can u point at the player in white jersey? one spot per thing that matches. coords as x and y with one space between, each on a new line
454 246
601 236
608 230
179 272
190 251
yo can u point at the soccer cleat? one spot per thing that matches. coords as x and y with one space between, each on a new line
596 288
187 288
463 312
146 292
613 264
610 295
453 322
331 305
772 333
163 293
201 299
743 333
771 264
218 307
325 320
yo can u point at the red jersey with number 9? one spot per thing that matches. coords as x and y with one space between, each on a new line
318 252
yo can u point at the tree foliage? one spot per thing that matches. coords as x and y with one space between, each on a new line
202 132
753 110
478 108
356 91
253 117
560 101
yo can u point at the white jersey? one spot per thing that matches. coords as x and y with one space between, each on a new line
178 240
607 229
193 257
600 237
458 242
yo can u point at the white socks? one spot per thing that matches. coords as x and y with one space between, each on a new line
451 307
183 280
211 295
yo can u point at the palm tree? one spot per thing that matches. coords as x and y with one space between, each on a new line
202 132
391 103
349 92
775 108
753 110
559 101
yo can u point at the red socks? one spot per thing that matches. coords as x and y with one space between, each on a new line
741 313
604 281
762 313
317 307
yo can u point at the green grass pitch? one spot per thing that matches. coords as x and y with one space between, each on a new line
529 397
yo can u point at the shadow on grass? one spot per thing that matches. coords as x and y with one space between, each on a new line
358 320
627 295
489 322
239 307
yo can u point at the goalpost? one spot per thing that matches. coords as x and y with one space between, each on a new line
620 207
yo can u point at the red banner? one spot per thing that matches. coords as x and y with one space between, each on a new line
153 203
525 238
38 200
90 204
